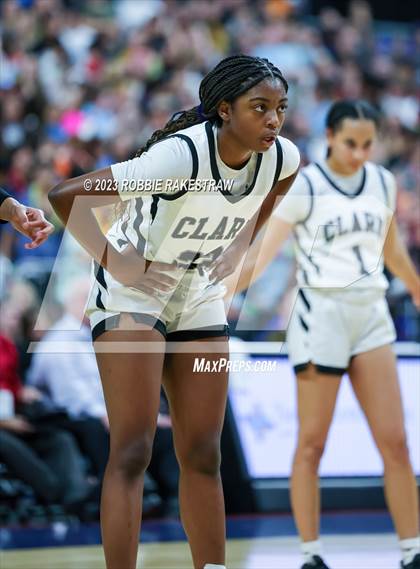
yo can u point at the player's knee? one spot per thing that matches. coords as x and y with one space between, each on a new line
310 451
133 457
394 449
202 456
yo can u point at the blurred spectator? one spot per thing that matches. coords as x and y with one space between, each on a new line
44 457
84 84
71 379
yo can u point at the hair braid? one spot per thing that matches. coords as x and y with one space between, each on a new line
231 77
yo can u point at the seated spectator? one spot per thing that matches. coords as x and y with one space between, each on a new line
45 458
71 380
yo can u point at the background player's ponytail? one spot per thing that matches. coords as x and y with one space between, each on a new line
350 109
231 77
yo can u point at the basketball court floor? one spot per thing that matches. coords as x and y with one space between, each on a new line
349 543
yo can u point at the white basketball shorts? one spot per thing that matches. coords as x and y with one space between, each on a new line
194 310
328 327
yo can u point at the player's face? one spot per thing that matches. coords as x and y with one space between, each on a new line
256 117
351 145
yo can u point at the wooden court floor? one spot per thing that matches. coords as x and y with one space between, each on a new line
377 551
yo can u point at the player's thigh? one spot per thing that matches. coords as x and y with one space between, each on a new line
130 361
197 398
374 378
316 398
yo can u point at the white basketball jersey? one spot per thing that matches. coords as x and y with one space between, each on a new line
340 241
194 227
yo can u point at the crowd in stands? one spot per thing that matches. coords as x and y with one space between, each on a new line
84 85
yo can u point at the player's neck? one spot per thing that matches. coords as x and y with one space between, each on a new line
338 169
231 152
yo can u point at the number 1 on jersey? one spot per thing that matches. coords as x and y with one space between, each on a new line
363 270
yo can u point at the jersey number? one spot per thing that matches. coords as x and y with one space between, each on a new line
195 259
362 268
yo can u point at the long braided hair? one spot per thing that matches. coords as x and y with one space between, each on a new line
230 79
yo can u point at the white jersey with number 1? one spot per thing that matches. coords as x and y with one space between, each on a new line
339 233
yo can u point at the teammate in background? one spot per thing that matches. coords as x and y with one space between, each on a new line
341 214
188 241
29 221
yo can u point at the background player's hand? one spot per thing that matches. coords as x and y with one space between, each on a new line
415 295
131 269
29 221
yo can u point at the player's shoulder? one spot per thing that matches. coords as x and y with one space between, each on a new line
388 182
379 169
289 147
290 156
195 132
311 173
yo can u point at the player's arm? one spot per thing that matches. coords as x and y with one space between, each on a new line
398 261
74 201
263 250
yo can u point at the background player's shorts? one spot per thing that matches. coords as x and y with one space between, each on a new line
328 327
194 310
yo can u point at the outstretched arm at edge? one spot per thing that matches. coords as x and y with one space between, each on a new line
398 261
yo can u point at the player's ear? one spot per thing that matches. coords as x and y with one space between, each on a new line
224 110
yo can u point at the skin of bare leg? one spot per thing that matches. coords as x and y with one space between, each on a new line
375 382
131 383
198 402
316 397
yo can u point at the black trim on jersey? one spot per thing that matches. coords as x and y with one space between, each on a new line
311 197
232 198
323 369
154 207
141 241
334 185
385 189
303 323
198 334
316 267
279 163
112 322
99 273
305 276
98 301
100 277
305 300
193 150
194 156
